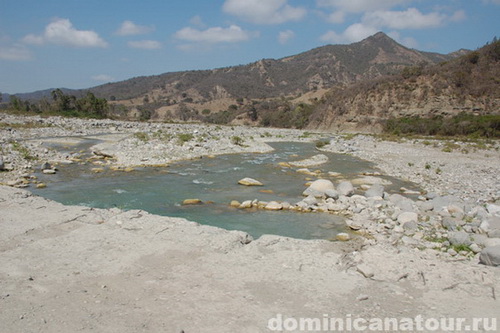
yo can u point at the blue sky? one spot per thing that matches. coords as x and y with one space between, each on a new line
84 43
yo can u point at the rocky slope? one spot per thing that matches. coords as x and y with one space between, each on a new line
467 84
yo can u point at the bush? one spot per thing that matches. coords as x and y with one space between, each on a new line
236 140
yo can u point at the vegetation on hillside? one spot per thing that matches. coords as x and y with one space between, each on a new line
463 124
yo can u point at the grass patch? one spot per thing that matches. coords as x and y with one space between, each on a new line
142 136
184 137
25 153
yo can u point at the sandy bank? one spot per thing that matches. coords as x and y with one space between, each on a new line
79 269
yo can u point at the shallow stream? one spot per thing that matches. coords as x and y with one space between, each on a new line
214 180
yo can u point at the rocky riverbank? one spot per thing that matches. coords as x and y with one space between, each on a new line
66 268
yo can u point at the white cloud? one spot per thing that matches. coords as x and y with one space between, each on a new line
62 32
264 11
15 52
103 78
232 34
129 28
360 6
353 33
411 18
285 36
145 44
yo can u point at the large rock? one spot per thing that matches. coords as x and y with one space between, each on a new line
319 187
249 182
345 188
459 238
493 209
375 190
403 203
407 217
332 194
490 256
443 202
491 226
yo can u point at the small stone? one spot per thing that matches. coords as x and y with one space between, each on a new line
41 185
45 166
343 237
249 182
452 252
96 170
273 205
192 202
49 171
362 297
246 204
235 203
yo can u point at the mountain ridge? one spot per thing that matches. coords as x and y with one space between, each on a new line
318 68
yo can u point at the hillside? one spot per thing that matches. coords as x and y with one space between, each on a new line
320 68
468 84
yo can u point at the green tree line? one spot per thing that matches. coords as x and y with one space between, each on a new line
88 106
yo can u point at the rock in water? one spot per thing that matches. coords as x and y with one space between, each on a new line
192 202
249 182
345 188
273 205
490 256
319 187
343 237
46 166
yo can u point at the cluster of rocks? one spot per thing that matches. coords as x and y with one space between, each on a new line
443 223
432 163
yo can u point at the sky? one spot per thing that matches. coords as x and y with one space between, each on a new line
79 44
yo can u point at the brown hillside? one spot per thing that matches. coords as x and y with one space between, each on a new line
469 84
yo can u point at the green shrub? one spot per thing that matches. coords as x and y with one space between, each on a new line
236 140
185 137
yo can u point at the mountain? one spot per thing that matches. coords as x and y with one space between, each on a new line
467 84
320 68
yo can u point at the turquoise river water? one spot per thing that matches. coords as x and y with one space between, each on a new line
162 190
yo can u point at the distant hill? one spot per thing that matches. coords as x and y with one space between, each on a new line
320 68
470 84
